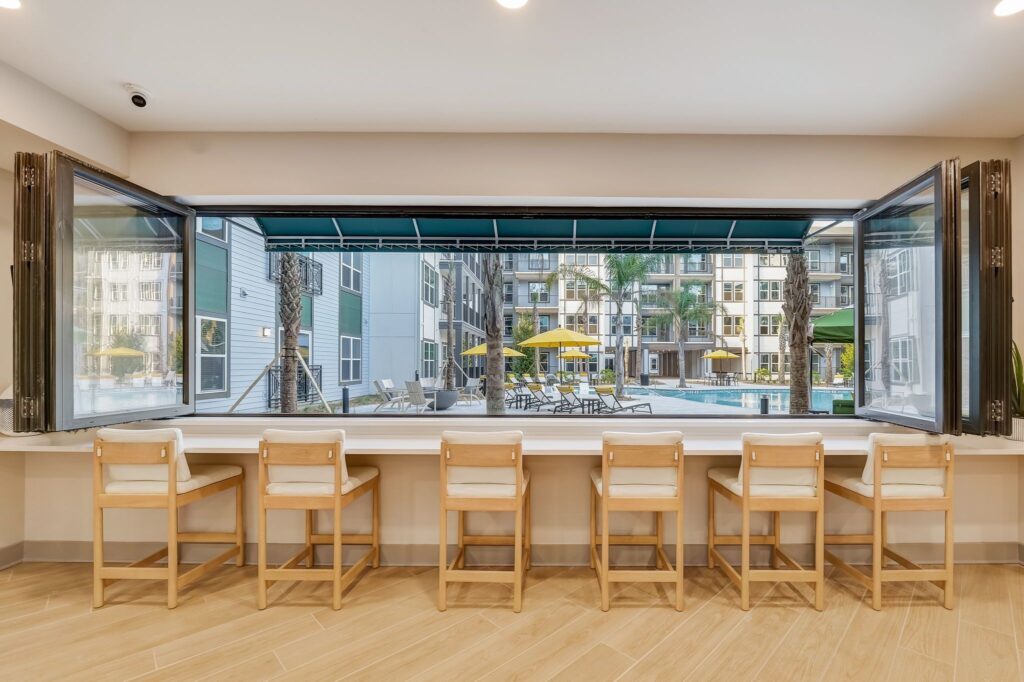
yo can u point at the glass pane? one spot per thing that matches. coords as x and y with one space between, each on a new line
965 301
900 345
128 291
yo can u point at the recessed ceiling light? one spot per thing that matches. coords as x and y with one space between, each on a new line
10 4
1007 7
512 4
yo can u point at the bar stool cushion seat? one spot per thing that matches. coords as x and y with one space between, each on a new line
908 475
202 476
357 476
633 484
481 490
729 478
851 480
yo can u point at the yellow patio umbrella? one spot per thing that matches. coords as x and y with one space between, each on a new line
719 354
575 355
559 338
482 350
119 352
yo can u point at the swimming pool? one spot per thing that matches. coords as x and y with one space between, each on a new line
750 398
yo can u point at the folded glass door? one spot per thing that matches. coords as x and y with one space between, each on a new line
907 326
103 298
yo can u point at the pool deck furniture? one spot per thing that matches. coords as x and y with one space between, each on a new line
388 399
483 471
570 401
538 398
307 471
639 472
147 469
778 473
610 403
903 473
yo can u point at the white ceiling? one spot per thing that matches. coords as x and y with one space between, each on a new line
890 67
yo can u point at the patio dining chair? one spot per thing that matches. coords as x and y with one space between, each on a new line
387 398
610 404
417 397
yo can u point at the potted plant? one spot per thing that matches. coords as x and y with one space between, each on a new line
1017 393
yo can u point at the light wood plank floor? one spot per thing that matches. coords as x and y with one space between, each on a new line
390 629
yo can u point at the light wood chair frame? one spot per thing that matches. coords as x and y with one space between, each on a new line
484 455
601 505
314 454
899 457
775 456
166 454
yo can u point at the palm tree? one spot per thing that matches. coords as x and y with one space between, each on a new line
829 371
449 311
289 288
493 319
797 309
625 272
783 338
685 307
595 289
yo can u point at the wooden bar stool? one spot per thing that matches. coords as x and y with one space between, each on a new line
484 472
903 472
147 469
307 470
778 472
640 472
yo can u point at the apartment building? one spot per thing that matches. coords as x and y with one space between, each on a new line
466 271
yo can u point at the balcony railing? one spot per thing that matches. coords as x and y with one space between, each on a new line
305 389
827 302
830 267
311 273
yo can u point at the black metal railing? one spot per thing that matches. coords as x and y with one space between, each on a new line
305 389
311 273
830 267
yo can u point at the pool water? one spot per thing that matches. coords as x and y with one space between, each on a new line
750 398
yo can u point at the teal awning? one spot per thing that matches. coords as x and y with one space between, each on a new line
481 233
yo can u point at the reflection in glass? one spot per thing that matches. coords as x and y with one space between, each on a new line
128 289
899 345
965 302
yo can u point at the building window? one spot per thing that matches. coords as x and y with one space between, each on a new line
117 324
429 285
845 294
118 291
97 291
429 360
627 326
508 261
117 260
775 260
584 324
770 362
846 262
213 227
149 290
902 360
213 355
732 325
539 261
732 291
539 293
815 293
151 261
351 359
507 330
813 260
732 260
693 329
899 272
768 325
543 323
770 290
508 292
149 325
352 271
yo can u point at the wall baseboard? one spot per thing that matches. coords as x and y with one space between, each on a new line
543 555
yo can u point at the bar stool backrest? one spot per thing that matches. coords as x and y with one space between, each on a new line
783 458
908 458
652 458
482 457
142 454
304 456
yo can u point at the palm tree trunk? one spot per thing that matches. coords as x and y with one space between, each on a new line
797 308
620 355
449 310
493 331
290 312
829 373
680 345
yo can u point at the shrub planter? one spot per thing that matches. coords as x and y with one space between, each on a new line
445 399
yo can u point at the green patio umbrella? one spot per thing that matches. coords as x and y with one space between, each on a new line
835 327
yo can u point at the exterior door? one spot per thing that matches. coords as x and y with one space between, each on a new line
103 298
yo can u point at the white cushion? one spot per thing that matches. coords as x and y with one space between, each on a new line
460 475
730 479
901 474
297 473
487 489
357 476
146 472
202 476
637 486
801 476
851 480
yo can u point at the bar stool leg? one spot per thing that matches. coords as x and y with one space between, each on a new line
777 536
461 515
605 592
517 589
659 529
819 556
336 584
442 564
948 594
97 556
593 526
876 559
680 560
711 527
310 520
526 531
240 521
172 554
376 522
261 555
745 560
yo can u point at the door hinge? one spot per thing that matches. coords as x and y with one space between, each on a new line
995 182
28 407
995 410
29 252
28 176
996 257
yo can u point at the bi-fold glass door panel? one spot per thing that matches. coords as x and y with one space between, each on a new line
104 292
